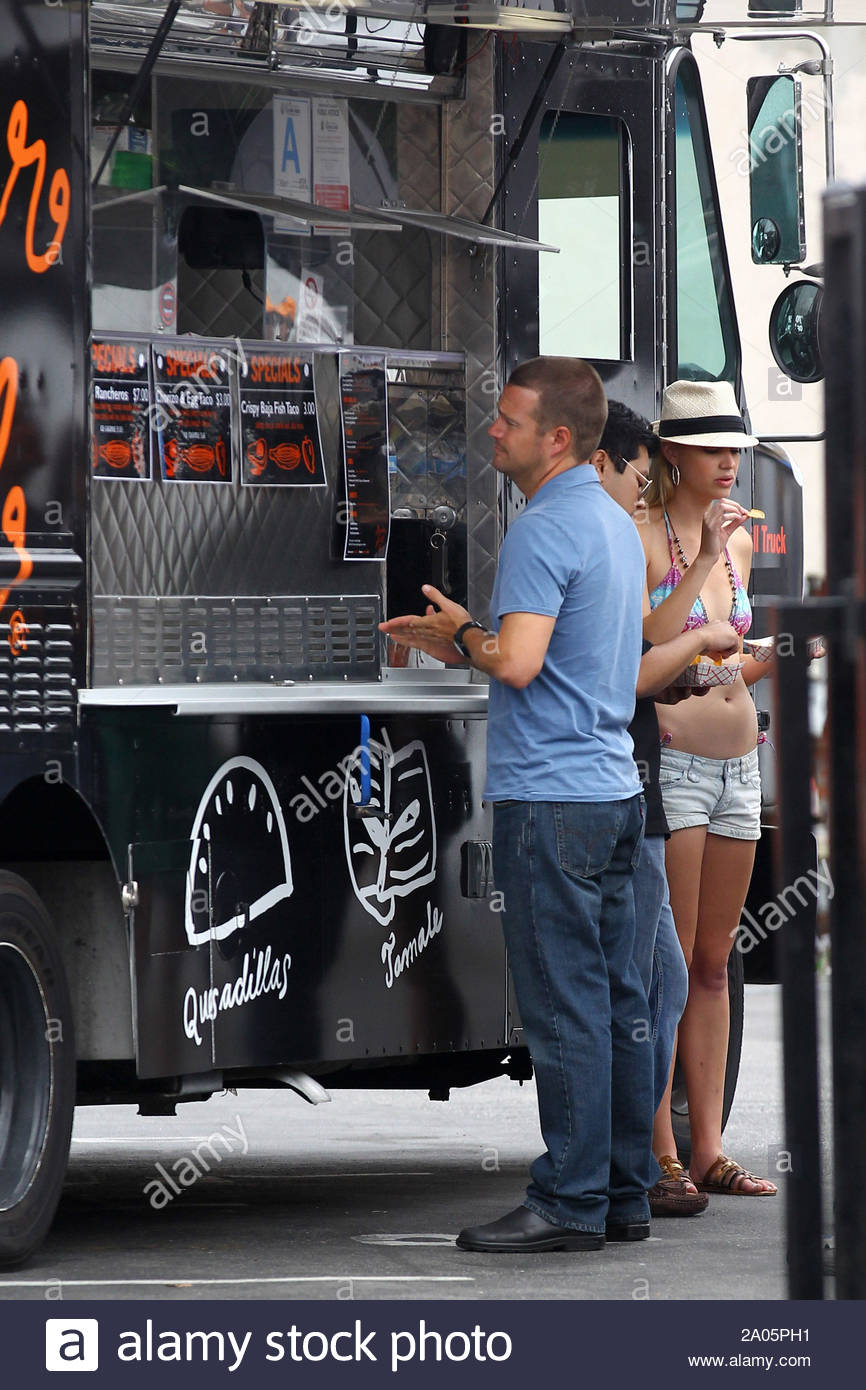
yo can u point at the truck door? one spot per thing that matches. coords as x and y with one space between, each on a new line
592 154
703 342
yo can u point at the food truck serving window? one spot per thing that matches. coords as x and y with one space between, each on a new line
581 207
706 337
174 254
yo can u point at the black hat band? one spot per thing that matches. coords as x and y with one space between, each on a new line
708 424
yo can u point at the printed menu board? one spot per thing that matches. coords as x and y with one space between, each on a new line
192 415
120 409
364 412
330 121
280 442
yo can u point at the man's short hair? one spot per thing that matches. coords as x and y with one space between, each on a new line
570 393
624 433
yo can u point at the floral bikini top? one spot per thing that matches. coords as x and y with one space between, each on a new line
741 610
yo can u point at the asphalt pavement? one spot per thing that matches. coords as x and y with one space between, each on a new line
361 1198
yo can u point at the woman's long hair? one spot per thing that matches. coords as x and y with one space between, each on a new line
661 488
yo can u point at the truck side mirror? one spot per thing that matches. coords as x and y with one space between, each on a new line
795 331
776 171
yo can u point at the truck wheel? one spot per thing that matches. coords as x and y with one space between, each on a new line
679 1103
37 1071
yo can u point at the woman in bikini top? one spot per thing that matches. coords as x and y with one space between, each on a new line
740 616
698 555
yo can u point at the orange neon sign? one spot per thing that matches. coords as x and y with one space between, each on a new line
18 632
23 155
13 520
13 517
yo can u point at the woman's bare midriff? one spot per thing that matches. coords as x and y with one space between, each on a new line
720 724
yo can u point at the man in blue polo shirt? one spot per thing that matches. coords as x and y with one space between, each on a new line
568 816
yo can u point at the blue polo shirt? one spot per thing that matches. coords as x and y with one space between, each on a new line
575 555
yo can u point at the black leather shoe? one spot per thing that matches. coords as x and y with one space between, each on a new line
627 1230
523 1230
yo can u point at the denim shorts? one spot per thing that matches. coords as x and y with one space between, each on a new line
724 794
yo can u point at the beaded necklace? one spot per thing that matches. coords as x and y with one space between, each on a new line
685 564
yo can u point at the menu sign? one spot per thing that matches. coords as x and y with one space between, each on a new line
120 409
331 155
193 413
364 412
280 442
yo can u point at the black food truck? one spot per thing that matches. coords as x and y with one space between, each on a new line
264 269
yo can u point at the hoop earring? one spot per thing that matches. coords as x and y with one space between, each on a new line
675 475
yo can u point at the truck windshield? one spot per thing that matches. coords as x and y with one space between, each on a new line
706 338
580 210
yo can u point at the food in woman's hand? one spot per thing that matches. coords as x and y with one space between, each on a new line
705 671
757 514
761 648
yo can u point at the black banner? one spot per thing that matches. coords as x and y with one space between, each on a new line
194 1342
364 412
280 443
120 409
192 412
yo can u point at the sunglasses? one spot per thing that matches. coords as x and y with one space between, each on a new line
645 481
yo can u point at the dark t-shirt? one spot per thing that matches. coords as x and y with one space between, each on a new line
644 730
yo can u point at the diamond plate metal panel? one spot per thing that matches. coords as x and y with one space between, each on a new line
157 541
393 289
470 310
418 159
217 304
161 538
419 173
397 276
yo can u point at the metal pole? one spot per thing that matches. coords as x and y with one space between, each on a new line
845 230
796 957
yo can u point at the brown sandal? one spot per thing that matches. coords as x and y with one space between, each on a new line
724 1176
670 1196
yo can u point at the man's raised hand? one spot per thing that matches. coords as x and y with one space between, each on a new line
434 632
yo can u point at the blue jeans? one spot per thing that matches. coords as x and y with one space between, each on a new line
565 870
659 957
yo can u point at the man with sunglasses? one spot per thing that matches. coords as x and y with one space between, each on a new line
622 461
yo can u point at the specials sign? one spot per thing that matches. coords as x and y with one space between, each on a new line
120 409
279 426
192 412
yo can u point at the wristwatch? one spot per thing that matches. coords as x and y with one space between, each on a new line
457 639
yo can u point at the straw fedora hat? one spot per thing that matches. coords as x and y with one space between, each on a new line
704 413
